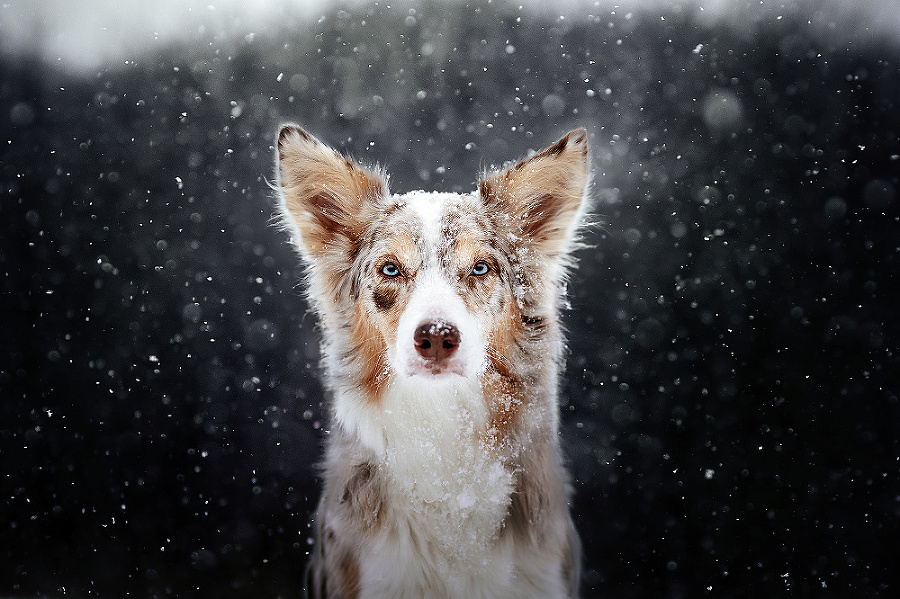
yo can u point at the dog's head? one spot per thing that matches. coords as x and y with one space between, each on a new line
433 285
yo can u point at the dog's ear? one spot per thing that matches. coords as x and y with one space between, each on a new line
323 193
543 195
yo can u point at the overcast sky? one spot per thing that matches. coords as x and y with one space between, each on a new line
89 33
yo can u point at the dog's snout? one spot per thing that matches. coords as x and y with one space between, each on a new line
436 341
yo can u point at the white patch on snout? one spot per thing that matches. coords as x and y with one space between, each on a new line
434 301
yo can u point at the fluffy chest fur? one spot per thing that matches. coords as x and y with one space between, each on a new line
441 350
446 491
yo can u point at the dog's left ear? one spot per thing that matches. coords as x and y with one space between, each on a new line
544 195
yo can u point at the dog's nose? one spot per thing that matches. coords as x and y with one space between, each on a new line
436 341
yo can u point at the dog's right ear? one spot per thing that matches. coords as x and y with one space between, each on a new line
322 192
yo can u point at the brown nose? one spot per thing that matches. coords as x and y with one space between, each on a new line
436 341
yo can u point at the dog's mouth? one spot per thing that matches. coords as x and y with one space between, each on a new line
436 370
432 369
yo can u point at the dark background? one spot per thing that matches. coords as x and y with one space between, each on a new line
731 398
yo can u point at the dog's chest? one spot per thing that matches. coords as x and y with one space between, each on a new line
448 489
445 537
456 495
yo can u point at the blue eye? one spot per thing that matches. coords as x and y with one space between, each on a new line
480 269
390 270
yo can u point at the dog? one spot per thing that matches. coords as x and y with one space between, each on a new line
442 347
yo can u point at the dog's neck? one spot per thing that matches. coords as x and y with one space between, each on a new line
414 414
444 474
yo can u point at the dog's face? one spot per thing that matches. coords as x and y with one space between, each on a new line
428 270
433 285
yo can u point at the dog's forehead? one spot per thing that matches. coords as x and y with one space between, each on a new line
433 216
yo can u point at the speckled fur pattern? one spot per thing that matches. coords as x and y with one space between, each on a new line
441 351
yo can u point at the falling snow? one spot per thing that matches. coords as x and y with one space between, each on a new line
730 401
